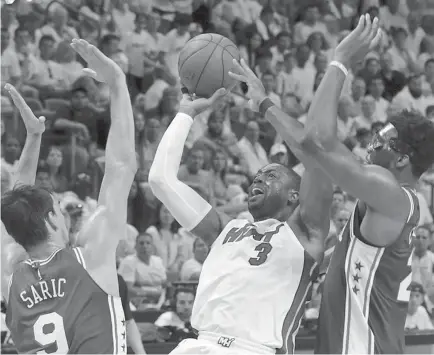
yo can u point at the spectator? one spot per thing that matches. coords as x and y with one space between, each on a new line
219 165
428 77
9 19
426 50
363 137
417 316
391 16
250 47
168 243
24 49
411 97
214 138
279 154
174 41
428 303
403 60
376 90
57 27
286 82
304 72
340 219
191 268
415 33
394 81
42 179
269 82
11 154
66 57
54 163
148 144
178 320
110 46
318 45
144 273
283 45
135 48
308 25
192 173
45 74
422 264
266 25
252 151
10 66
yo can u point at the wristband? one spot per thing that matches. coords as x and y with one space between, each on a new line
265 105
340 66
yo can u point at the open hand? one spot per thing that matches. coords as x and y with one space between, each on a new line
100 67
193 106
34 125
256 92
364 38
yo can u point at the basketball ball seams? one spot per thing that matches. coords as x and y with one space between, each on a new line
191 55
223 65
206 63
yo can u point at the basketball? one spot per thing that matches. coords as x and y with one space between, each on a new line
204 63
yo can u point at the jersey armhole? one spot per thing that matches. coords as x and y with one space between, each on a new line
411 212
79 255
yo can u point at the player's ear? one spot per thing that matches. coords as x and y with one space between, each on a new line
293 197
50 222
403 161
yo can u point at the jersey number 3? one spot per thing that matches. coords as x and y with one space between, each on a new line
263 250
48 330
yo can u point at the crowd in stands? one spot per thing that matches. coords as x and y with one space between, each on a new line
288 43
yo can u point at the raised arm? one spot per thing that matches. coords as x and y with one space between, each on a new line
100 236
185 204
312 217
374 185
28 163
11 252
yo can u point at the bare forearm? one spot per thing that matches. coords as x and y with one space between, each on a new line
322 116
28 163
120 149
292 132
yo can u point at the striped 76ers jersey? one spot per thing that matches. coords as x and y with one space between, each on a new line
55 307
364 301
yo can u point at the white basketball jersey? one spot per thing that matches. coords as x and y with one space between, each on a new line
254 284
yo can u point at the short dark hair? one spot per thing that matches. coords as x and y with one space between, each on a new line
294 178
428 61
25 210
46 38
417 132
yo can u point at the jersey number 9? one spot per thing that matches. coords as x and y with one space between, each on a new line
48 330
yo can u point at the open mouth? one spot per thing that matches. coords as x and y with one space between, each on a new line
256 191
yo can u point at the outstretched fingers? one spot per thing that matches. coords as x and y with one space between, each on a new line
15 95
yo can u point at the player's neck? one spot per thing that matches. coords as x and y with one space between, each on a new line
43 251
406 178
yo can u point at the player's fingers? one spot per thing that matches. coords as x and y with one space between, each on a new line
217 95
247 69
238 68
41 119
360 26
238 77
374 28
15 95
90 72
375 42
368 26
78 48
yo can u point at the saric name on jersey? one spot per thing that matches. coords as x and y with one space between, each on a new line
249 230
43 290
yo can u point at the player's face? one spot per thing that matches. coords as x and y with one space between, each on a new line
379 150
184 305
269 192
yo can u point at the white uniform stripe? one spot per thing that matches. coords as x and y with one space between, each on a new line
347 295
83 262
113 320
77 256
411 204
